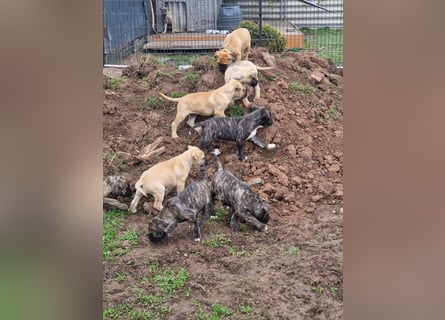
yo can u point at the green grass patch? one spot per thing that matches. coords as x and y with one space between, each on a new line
177 59
294 251
114 83
235 111
152 103
217 240
170 280
115 239
196 78
175 94
298 87
326 42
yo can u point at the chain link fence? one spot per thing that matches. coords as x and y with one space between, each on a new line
178 31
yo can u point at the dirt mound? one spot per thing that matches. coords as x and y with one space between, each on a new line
301 180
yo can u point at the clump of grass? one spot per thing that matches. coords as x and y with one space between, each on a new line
217 240
175 94
170 280
306 89
152 103
114 83
235 111
114 236
294 251
245 309
193 77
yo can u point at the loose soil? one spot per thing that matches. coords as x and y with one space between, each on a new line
295 270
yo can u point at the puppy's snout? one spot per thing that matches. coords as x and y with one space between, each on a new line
157 236
264 218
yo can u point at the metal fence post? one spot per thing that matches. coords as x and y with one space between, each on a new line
261 22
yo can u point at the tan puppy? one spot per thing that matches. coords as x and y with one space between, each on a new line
207 103
245 72
162 177
236 47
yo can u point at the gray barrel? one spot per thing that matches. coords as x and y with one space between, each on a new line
229 16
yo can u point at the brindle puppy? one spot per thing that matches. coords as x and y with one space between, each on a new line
244 203
239 129
193 205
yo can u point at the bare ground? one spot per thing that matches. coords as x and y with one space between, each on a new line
295 270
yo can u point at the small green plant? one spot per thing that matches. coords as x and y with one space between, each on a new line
245 309
114 83
167 74
152 103
171 280
243 228
121 277
318 289
217 240
220 310
117 311
113 222
272 39
232 251
332 113
193 77
144 280
147 300
131 236
235 111
175 94
153 267
294 251
306 89
333 289
220 215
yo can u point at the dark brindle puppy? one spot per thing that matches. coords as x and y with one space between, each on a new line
239 129
244 203
193 204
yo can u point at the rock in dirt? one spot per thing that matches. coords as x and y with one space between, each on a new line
269 59
334 168
138 130
316 76
254 181
305 153
326 188
282 178
296 180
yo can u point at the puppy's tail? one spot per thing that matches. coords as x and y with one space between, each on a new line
168 98
262 68
139 187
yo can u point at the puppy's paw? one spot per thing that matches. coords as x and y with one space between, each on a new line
198 239
271 146
265 228
216 152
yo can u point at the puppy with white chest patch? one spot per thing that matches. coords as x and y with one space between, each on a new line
236 46
209 103
193 204
162 177
239 129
